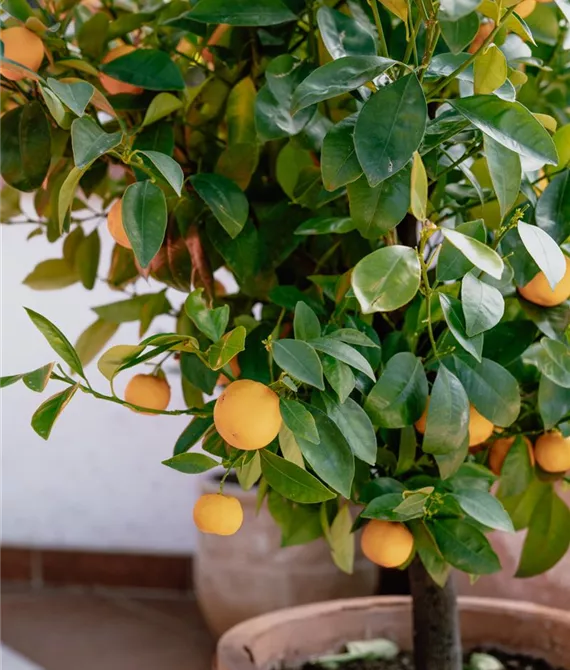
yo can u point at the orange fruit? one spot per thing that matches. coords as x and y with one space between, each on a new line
525 8
539 292
148 391
552 451
480 428
24 47
115 225
386 543
499 450
247 415
114 86
218 514
485 29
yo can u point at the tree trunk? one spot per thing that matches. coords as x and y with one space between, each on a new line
437 643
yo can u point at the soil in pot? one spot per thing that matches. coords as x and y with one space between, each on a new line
404 661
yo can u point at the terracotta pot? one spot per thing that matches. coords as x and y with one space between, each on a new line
248 574
293 636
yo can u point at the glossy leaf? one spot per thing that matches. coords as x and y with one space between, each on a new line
212 322
299 420
67 193
341 540
193 432
47 413
510 124
339 376
476 252
291 481
448 415
144 219
337 77
289 447
76 95
553 207
221 352
398 7
517 472
544 251
345 353
148 68
37 380
339 164
89 141
458 34
342 35
167 167
464 546
54 273
93 339
386 279
553 402
160 106
87 259
260 13
484 508
453 10
399 397
453 313
226 200
376 210
451 263
326 226
505 171
191 464
389 128
306 323
111 361
419 188
490 70
552 358
240 111
299 360
483 305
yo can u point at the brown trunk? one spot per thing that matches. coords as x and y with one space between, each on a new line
437 643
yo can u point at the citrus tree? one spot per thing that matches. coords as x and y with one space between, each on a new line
388 183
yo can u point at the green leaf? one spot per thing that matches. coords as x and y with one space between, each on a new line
548 536
453 10
147 68
459 34
198 373
453 313
306 325
345 353
167 167
339 164
38 379
429 553
490 70
464 546
383 507
126 23
67 194
8 380
87 259
273 118
341 540
509 124
451 263
299 420
505 171
160 106
46 414
399 397
553 402
191 464
331 458
339 376
419 188
19 9
76 95
250 472
386 279
553 208
240 111
221 352
552 358
517 472
544 251
353 336
93 339
483 305
212 322
355 425
521 507
338 77
476 252
291 481
226 200
406 450
25 146
57 341
377 210
260 13
300 360
484 508
144 219
89 141
52 274
92 35
390 127
447 424
193 432
114 358
289 447
130 309
491 388
342 35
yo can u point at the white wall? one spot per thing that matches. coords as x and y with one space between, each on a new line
98 482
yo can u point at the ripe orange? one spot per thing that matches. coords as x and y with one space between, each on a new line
485 29
552 451
480 428
114 86
218 514
24 47
115 225
539 292
387 543
148 391
499 450
247 415
525 8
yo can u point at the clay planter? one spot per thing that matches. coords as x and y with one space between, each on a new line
248 574
293 636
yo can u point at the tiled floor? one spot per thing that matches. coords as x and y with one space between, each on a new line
73 629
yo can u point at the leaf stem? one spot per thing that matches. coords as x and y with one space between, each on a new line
383 46
428 291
